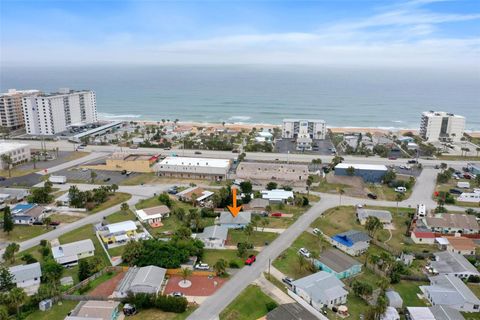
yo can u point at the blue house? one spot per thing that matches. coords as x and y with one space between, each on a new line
352 242
338 263
368 172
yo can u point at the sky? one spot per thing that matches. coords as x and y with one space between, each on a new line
410 33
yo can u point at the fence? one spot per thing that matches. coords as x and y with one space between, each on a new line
93 277
178 272
414 278
76 297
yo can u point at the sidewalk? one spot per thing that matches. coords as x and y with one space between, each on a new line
272 291
272 230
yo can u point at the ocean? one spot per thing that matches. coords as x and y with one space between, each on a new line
343 97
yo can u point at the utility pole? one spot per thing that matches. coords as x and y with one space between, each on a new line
269 263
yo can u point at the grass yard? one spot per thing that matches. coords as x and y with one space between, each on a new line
113 200
258 238
277 283
211 256
58 312
116 252
249 305
140 178
21 233
384 192
120 216
63 218
284 222
328 187
288 261
408 291
155 314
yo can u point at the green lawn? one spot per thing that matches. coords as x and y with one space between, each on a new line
408 291
63 218
21 233
328 187
288 261
258 238
384 192
117 198
121 216
155 314
249 305
284 222
147 203
58 312
116 252
211 256
277 283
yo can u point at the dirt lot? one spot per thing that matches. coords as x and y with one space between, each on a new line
106 288
201 285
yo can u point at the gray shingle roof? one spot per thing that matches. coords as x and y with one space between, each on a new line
394 298
446 313
382 215
451 262
449 290
145 279
243 217
72 248
337 260
290 311
214 232
26 272
321 286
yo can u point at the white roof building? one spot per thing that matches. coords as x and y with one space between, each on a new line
71 252
147 279
187 167
361 166
18 152
434 313
120 227
277 195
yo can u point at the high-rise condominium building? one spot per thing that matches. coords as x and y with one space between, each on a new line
304 132
441 126
11 111
48 114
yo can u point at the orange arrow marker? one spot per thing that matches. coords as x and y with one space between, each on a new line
234 210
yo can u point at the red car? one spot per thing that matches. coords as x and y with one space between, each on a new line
251 259
276 214
467 176
392 158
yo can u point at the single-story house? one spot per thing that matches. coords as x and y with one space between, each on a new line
454 264
147 279
473 197
384 216
277 195
290 311
213 237
338 263
27 277
95 310
390 314
394 299
153 215
256 206
353 242
27 213
194 193
422 237
452 223
68 254
227 220
368 172
12 195
321 289
63 200
433 313
461 245
448 290
118 233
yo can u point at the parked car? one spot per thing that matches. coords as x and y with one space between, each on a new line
392 158
202 266
3 178
455 191
177 294
400 189
467 176
172 190
372 196
276 214
167 148
251 259
124 172
412 161
197 152
55 223
287 280
106 179
316 231
304 252
128 173
37 223
235 151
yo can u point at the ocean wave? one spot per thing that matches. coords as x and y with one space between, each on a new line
239 118
117 116
398 121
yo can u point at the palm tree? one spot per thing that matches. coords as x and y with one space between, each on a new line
114 187
248 230
7 163
124 207
302 263
93 175
185 273
47 222
340 191
17 298
264 223
34 161
399 197
255 221
220 267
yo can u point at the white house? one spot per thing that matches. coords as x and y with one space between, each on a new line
68 254
321 289
213 237
154 215
453 264
277 195
27 277
433 313
448 290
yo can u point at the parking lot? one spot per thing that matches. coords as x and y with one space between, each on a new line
323 147
80 175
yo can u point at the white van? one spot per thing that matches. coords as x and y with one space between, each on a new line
463 184
421 210
400 189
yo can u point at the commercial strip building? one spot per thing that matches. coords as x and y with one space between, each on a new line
48 114
11 110
272 171
18 152
27 277
120 161
450 291
304 132
98 131
200 168
68 254
441 126
368 172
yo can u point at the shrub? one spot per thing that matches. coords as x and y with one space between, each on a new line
171 304
233 264
270 306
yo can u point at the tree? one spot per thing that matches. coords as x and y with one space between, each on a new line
477 150
182 233
309 183
3 312
248 230
350 171
6 279
28 258
302 263
220 267
7 163
124 207
164 198
389 177
83 269
246 187
10 251
340 192
132 251
93 175
255 221
272 185
114 187
52 272
47 221
8 224
372 225
399 197
264 223
17 298
185 273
